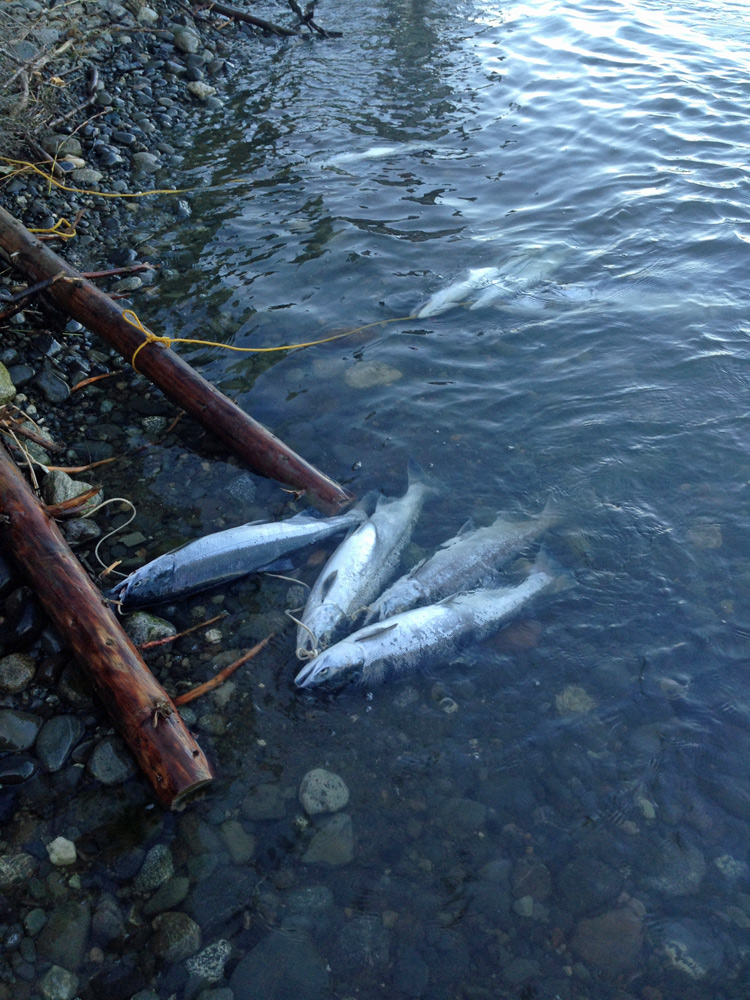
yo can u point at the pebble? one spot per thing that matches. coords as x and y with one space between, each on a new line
17 768
176 936
611 941
143 627
208 965
7 389
56 739
111 762
239 843
62 852
64 937
18 729
333 842
200 90
264 802
145 163
322 791
57 487
58 984
16 672
158 866
15 872
365 374
283 965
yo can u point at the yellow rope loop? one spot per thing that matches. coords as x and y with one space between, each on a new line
57 229
151 338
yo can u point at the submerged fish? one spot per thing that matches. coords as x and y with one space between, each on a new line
226 555
428 634
520 273
459 291
360 567
461 563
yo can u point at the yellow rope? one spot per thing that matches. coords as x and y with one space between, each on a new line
151 338
101 194
68 235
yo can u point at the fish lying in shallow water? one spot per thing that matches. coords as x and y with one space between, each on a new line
482 286
226 555
360 567
425 635
461 563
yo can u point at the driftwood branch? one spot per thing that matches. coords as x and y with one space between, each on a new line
138 706
248 439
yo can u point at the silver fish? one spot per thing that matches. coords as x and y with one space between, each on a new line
459 291
461 563
226 555
360 567
428 634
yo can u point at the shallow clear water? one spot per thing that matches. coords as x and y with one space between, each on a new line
558 840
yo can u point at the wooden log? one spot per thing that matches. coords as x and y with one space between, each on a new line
138 705
248 439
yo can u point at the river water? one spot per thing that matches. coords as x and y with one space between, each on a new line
564 810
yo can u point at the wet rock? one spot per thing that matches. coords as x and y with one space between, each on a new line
678 868
208 965
176 936
283 966
116 982
690 947
239 843
264 802
16 672
15 872
24 619
333 842
365 374
58 984
110 762
107 923
62 852
322 791
519 970
7 389
217 900
310 901
588 884
18 729
16 768
573 700
158 866
531 877
63 938
611 941
56 739
363 944
80 531
59 487
168 896
143 627
463 816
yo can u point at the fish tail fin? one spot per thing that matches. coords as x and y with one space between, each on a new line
417 474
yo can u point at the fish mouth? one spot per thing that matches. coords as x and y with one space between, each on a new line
305 676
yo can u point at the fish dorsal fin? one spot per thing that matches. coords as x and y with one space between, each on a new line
327 583
377 632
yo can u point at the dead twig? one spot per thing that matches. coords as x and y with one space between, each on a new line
179 635
222 675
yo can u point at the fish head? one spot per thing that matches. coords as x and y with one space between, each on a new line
147 585
333 668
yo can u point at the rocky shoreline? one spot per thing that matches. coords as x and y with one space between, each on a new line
64 773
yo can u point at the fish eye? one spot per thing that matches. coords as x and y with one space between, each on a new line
324 672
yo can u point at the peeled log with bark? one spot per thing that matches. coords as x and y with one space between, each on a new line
249 440
138 705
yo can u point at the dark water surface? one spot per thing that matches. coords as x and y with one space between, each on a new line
564 812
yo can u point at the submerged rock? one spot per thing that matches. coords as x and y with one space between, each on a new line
689 947
283 966
322 791
611 941
369 373
333 843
